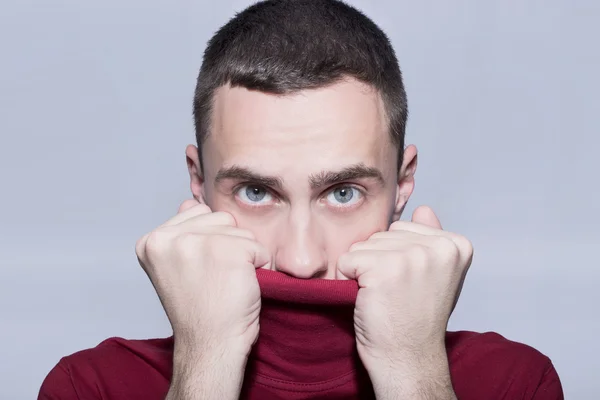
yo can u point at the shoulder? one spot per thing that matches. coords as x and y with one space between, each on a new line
151 351
97 371
488 364
467 345
117 353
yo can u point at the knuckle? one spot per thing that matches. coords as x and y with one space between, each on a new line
451 255
462 249
218 245
155 242
189 246
212 245
421 254
465 245
394 267
184 241
446 244
140 246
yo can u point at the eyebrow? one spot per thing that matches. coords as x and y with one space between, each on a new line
238 173
319 180
352 172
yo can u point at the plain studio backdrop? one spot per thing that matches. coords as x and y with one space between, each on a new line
95 113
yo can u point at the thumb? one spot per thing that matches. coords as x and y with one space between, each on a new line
261 257
424 215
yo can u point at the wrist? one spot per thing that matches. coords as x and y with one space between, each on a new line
206 372
413 378
414 388
196 346
232 355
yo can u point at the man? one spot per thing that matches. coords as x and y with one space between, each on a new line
289 275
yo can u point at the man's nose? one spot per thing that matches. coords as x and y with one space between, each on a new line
300 252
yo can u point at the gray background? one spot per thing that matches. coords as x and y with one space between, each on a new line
95 114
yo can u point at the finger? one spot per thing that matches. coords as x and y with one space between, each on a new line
410 233
398 241
187 210
260 257
225 230
352 266
216 218
425 222
343 271
424 215
232 231
407 226
187 204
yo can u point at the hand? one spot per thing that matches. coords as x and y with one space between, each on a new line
202 267
409 280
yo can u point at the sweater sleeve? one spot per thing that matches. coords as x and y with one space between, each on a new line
58 385
550 387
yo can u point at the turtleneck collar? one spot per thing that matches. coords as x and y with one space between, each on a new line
306 329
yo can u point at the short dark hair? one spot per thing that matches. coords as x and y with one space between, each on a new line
284 46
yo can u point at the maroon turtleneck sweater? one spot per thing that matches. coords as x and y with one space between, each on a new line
305 350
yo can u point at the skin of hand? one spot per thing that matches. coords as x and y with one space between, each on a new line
410 278
203 269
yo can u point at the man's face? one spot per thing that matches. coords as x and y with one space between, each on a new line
309 174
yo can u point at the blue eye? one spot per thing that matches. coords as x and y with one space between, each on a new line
344 196
252 194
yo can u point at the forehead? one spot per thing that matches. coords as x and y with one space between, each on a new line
343 123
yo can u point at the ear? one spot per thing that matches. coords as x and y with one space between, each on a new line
406 180
196 173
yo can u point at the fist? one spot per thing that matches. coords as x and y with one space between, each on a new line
409 280
203 269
